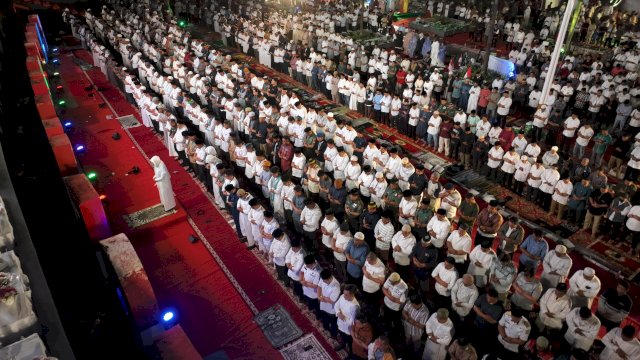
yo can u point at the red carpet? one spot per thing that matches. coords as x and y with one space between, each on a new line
213 313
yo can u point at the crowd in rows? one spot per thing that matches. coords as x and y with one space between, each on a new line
394 260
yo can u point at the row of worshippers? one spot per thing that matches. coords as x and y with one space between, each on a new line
440 316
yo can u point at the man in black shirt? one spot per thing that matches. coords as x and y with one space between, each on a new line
417 181
479 153
597 206
368 223
614 305
620 150
467 139
424 258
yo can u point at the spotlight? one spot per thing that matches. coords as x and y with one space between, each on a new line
92 175
182 23
59 87
55 61
56 74
103 197
169 318
55 49
68 125
80 148
62 102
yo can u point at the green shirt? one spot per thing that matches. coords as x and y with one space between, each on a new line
423 216
469 210
394 195
601 142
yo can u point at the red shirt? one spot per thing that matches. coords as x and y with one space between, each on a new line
484 97
401 77
286 154
506 137
445 129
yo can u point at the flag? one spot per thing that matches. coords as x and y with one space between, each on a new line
467 75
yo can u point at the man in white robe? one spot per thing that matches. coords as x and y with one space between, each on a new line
582 328
556 267
555 305
163 182
621 344
439 332
584 286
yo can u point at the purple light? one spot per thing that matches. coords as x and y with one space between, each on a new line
80 148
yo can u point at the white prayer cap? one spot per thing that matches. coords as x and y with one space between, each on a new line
359 235
210 159
354 158
210 150
379 175
561 249
405 161
124 68
406 227
554 148
190 73
524 158
588 272
394 277
330 114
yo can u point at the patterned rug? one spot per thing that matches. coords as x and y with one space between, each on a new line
614 254
306 348
147 215
128 121
277 326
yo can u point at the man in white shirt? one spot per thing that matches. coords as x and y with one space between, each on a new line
463 295
584 286
621 344
395 295
278 253
383 233
309 279
514 330
459 247
438 228
310 221
439 329
445 276
328 293
555 305
346 309
582 328
373 277
555 267
402 243
560 197
504 105
294 262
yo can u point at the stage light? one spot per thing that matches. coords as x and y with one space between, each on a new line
182 23
103 197
61 102
168 316
56 74
55 61
59 87
80 148
68 125
92 175
55 49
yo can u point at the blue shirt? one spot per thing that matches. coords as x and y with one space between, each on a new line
377 99
359 254
534 247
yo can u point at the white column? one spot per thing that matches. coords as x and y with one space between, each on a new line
555 56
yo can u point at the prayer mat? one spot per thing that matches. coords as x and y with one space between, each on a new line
128 121
147 215
614 255
278 327
306 348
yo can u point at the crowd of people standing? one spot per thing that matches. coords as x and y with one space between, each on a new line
392 259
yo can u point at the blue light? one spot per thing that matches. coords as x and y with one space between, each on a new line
55 61
68 124
80 148
55 49
511 74
168 316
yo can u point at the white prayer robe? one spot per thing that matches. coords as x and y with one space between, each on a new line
437 350
589 327
613 342
554 263
559 307
590 288
163 182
